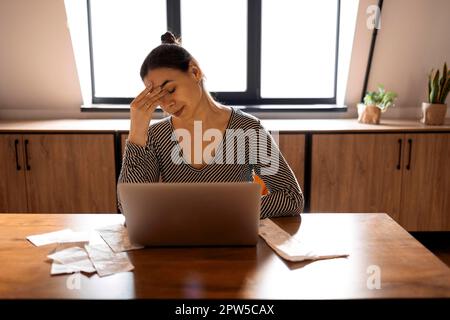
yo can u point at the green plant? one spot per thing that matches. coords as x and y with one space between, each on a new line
381 98
438 87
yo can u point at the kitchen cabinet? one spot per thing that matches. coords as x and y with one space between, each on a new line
406 175
70 173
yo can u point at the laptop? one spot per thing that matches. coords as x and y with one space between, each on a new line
191 214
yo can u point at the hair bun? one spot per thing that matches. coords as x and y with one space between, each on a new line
169 38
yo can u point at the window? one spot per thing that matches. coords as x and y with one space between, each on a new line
121 35
263 54
220 41
298 49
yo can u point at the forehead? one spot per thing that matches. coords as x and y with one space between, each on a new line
160 76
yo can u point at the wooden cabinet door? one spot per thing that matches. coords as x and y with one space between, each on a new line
356 173
13 193
425 204
71 173
292 146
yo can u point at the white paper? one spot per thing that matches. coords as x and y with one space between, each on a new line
58 268
48 238
76 237
116 236
67 245
69 255
106 262
290 248
71 260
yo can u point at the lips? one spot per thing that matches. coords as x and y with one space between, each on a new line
179 112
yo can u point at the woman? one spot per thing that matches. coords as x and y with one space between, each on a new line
202 140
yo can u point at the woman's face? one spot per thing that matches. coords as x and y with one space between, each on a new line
184 89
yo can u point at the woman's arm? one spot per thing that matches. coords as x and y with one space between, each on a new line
285 197
139 164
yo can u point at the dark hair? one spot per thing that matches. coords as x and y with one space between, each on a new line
169 54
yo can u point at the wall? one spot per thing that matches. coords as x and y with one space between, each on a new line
414 38
37 68
38 77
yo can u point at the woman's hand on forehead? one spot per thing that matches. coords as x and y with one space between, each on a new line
148 84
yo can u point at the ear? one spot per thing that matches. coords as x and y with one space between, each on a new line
195 71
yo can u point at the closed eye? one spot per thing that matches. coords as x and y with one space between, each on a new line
171 91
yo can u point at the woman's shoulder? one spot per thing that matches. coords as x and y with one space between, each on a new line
160 127
245 120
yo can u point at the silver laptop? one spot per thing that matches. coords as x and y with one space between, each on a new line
191 214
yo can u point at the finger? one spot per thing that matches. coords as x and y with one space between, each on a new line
152 100
150 94
155 97
150 108
142 95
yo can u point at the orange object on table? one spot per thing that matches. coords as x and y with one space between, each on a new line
264 189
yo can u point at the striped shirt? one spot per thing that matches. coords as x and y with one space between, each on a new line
246 149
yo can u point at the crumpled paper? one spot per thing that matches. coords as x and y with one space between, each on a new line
106 262
116 236
71 260
87 251
61 236
292 249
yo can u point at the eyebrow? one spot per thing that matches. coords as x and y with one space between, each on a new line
165 82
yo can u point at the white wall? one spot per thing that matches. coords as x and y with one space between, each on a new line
37 69
414 38
38 77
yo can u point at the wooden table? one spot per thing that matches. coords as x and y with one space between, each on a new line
408 270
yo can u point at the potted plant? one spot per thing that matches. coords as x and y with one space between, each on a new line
375 102
433 111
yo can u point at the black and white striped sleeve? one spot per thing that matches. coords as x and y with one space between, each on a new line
285 196
139 164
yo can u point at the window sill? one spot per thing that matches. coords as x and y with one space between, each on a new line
249 109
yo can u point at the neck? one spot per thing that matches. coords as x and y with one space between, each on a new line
206 111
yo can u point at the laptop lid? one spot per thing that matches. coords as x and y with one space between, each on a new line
191 214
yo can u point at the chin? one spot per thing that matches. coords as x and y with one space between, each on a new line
180 113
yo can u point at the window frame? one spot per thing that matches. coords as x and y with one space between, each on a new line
250 99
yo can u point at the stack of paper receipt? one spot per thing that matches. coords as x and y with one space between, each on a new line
100 251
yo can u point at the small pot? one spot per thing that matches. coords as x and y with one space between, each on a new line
368 114
433 113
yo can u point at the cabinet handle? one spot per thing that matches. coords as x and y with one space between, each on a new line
399 154
408 166
26 155
16 143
